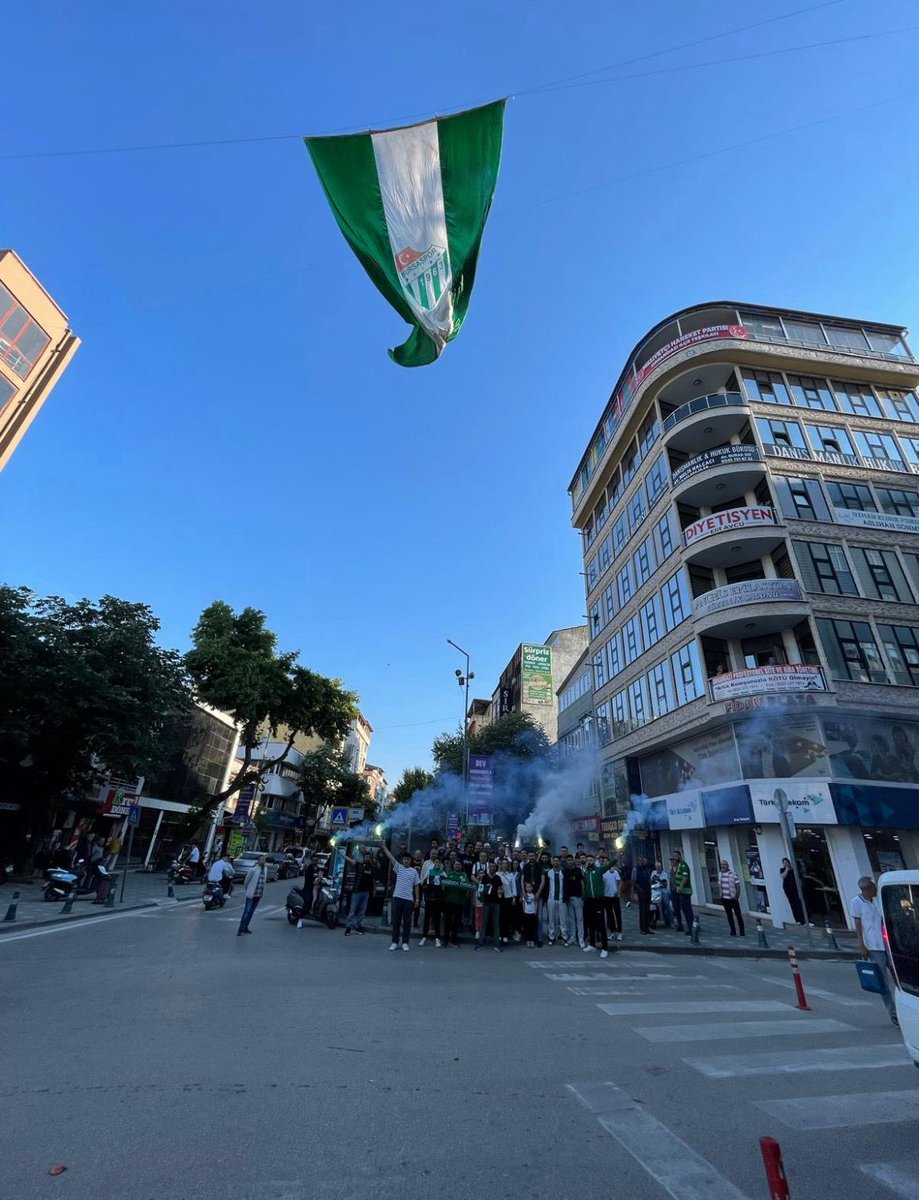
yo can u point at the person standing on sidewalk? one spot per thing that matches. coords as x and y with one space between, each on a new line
729 894
869 930
456 887
360 893
661 879
255 889
556 920
432 887
611 903
641 886
492 895
406 895
681 892
574 902
594 915
532 874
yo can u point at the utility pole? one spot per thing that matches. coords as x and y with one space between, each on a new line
463 681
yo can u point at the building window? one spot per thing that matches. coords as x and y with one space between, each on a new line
7 392
589 534
22 340
831 444
900 406
846 339
605 553
783 438
630 463
657 479
898 501
812 393
599 671
620 533
851 495
619 709
596 621
825 568
637 509
638 701
857 399
801 499
664 533
644 561
609 601
592 575
852 651
886 343
651 622
880 449
881 575
807 332
626 586
766 386
614 490
901 646
767 328
631 640
687 673
675 595
660 687
614 654
648 433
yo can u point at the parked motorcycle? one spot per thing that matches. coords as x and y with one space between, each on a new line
325 910
181 872
214 895
62 884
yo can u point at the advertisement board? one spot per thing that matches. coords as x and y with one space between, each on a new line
705 760
883 751
750 591
725 456
808 801
536 674
782 747
686 341
728 521
875 520
684 809
792 677
727 806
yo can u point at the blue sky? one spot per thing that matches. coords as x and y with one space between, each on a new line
232 427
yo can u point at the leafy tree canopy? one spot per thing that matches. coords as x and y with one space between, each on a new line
516 735
414 779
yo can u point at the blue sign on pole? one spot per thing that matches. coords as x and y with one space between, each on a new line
340 817
134 815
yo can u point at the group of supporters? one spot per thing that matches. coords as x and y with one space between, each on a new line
530 897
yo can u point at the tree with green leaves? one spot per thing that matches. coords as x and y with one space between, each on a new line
414 779
515 735
86 693
326 780
235 665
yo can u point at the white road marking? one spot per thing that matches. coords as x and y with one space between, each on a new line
900 1178
681 1172
575 978
614 976
848 1001
600 991
681 1007
840 1112
741 1030
791 1062
91 923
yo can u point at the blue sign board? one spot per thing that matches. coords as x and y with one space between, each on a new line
134 815
481 778
340 817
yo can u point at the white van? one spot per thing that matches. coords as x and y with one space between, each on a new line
898 892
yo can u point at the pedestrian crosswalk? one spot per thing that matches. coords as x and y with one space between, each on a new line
640 991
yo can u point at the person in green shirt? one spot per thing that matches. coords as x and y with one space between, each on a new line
681 892
432 890
594 912
455 885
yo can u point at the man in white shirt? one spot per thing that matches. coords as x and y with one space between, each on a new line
869 930
255 889
406 894
556 915
219 868
611 903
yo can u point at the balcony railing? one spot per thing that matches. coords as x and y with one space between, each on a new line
701 404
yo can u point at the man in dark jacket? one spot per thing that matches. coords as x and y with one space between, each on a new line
641 885
533 874
574 901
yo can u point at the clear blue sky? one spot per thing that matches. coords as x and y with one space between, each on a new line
232 427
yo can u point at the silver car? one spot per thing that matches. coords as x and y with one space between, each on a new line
247 860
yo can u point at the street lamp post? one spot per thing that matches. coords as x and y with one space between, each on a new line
463 681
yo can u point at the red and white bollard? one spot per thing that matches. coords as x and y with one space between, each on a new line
775 1169
796 976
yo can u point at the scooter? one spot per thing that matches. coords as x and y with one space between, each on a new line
62 884
181 872
325 910
215 894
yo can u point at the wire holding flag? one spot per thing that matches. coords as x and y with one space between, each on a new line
412 204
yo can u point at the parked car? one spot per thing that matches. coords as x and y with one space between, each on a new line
899 895
247 860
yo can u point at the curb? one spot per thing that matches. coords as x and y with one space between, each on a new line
88 916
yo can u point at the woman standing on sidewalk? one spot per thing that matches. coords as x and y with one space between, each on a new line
509 880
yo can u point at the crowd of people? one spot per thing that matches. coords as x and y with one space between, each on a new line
531 897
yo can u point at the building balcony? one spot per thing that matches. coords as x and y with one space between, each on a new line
750 609
717 475
705 421
760 681
732 535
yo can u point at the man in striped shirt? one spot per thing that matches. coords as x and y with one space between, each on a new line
729 894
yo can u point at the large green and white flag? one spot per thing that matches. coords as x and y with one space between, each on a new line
412 203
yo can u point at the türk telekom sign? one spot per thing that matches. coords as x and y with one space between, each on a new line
727 522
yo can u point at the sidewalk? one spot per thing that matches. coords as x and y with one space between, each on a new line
142 890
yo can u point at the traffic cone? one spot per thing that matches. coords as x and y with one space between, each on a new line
761 935
11 911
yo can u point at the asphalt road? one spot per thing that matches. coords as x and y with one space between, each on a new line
155 1054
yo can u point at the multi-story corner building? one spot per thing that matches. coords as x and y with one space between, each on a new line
749 505
36 344
529 681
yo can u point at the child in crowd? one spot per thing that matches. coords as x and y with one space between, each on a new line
529 915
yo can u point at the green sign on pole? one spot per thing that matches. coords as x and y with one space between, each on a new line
536 674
